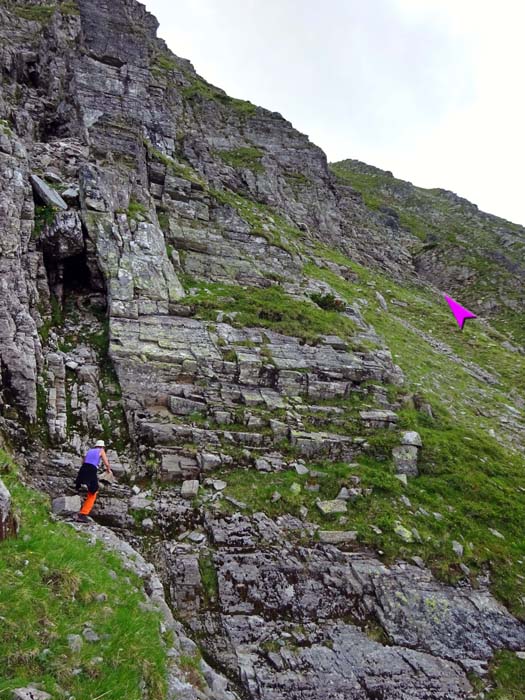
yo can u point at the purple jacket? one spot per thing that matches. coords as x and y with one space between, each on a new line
93 456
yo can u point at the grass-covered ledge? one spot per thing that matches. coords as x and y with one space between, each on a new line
55 583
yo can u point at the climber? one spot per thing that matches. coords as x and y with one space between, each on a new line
87 475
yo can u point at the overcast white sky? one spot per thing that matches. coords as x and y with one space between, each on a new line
430 89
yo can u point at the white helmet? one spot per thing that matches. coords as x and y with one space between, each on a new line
100 443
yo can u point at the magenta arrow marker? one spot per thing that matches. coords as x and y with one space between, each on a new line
460 312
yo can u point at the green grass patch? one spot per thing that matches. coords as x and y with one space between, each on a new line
44 216
262 220
49 579
270 308
247 157
466 475
507 674
35 13
5 127
297 180
182 170
163 63
201 89
69 8
460 236
209 580
136 210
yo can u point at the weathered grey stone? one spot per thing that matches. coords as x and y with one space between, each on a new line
183 407
329 507
7 524
378 418
75 642
458 548
102 66
411 438
64 237
189 489
402 478
46 193
337 536
403 533
90 635
405 459
66 504
30 694
301 469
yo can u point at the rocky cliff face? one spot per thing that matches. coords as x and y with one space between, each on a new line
182 273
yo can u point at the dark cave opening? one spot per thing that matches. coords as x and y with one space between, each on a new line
76 276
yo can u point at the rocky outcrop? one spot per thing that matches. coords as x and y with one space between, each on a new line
293 620
8 522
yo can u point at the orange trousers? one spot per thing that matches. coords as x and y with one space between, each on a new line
88 503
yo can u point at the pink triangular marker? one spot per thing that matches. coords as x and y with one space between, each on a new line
460 312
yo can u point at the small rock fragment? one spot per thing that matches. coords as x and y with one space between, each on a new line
404 533
75 642
496 533
457 547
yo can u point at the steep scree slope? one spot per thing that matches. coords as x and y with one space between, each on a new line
181 272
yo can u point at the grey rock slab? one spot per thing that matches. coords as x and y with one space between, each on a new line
329 507
301 469
405 459
46 193
458 548
90 635
30 694
411 438
147 524
190 488
337 536
402 532
66 504
378 418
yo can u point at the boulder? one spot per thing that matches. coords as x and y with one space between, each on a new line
46 193
64 237
329 507
378 419
405 459
411 438
30 694
403 533
66 504
183 407
189 488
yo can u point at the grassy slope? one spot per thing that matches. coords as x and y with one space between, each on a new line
467 475
49 579
457 233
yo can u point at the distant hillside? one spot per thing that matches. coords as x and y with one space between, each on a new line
478 257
